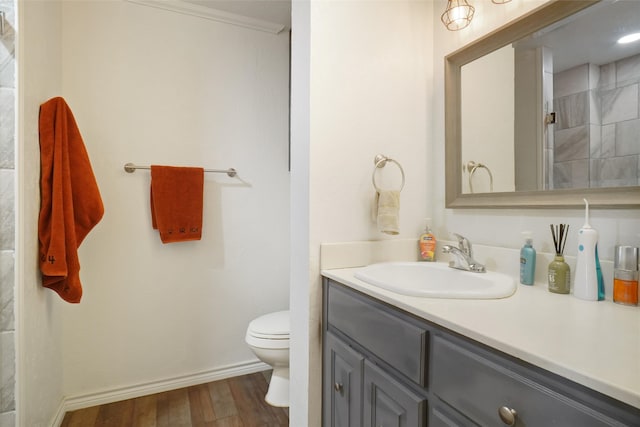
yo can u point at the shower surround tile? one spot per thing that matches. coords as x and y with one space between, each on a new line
571 82
7 372
7 215
595 108
571 144
595 141
7 46
627 138
8 419
607 76
7 211
620 104
574 174
7 128
572 110
628 70
614 172
6 291
608 137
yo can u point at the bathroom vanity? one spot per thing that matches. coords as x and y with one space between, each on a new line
388 362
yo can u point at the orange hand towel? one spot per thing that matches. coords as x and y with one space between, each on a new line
70 199
176 202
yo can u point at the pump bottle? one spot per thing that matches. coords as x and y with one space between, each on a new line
427 243
527 260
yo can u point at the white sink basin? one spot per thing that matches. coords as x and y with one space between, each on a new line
436 280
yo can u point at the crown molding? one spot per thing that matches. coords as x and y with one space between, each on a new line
212 14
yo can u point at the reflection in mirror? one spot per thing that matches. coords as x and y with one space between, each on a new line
487 111
556 109
546 110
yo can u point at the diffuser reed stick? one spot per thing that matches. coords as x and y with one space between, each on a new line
559 272
559 234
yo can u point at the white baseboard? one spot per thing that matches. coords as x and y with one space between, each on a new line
72 403
59 417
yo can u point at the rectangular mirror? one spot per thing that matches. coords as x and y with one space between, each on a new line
545 111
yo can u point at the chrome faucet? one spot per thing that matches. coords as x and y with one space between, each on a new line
463 256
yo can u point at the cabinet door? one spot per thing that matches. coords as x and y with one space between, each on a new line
342 388
388 403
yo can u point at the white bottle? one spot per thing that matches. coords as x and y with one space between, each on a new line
585 284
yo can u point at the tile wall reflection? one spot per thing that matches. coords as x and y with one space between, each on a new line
597 134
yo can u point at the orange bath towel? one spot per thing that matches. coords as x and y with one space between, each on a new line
70 199
176 202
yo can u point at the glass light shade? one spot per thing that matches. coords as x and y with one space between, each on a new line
457 15
500 1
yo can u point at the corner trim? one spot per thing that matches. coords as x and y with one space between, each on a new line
213 15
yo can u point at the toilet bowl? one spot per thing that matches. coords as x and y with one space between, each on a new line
268 338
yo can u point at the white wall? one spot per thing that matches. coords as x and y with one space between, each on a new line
39 377
151 86
370 66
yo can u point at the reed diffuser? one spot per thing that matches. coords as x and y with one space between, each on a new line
559 271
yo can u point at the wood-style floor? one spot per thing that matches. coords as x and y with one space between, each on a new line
233 402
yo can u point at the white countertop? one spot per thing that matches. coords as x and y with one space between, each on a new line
596 344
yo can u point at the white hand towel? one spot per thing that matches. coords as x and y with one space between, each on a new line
388 202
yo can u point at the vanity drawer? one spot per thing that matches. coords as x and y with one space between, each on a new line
478 387
388 335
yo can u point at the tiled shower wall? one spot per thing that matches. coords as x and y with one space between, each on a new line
597 134
7 216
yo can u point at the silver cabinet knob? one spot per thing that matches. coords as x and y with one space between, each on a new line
338 387
508 415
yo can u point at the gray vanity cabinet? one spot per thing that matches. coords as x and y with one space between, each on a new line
383 367
358 393
371 357
342 376
389 403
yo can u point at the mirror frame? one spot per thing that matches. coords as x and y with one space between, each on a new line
614 197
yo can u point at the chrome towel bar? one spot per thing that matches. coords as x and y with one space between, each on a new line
130 167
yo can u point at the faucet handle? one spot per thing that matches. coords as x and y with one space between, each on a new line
464 244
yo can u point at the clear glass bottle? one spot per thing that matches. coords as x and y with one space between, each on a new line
625 275
559 276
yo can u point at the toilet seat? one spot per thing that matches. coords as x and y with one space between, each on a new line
269 331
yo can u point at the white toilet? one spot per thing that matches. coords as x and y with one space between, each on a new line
268 338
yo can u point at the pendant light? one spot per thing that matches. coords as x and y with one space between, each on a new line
457 15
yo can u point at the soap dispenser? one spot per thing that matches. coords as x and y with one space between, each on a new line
427 243
588 283
527 260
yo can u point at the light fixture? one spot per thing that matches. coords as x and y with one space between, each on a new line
500 1
457 15
629 38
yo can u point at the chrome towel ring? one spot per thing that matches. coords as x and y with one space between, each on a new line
380 161
471 167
